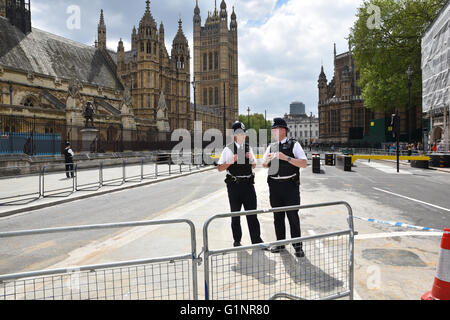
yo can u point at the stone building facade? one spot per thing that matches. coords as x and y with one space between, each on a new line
343 118
216 66
341 109
303 128
46 80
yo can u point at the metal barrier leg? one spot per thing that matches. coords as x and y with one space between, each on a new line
43 182
101 174
123 171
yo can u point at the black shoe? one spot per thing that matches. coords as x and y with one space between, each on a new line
237 244
299 253
278 249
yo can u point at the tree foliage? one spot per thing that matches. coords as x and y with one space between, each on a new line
383 51
257 122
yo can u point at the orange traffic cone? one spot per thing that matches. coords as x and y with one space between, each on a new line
441 286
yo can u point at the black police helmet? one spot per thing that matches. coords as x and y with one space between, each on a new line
280 123
67 143
239 126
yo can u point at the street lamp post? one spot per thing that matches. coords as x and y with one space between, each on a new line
248 110
409 72
310 132
194 86
224 115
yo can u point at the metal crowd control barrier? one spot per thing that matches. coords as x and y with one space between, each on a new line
84 180
58 192
86 185
10 199
169 278
115 179
251 273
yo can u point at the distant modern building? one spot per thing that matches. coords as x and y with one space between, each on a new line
436 79
298 108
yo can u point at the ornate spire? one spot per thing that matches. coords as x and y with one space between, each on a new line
233 23
322 77
180 38
147 20
102 18
197 9
101 32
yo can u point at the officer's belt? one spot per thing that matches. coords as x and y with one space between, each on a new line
283 178
237 179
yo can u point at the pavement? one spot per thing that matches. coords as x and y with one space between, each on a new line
390 263
31 192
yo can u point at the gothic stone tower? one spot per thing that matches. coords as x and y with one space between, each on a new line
150 70
18 12
216 63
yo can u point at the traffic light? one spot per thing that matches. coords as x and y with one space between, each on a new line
395 124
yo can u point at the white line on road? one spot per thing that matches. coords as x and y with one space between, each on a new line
412 199
384 168
398 234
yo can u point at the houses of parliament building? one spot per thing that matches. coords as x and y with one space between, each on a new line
138 95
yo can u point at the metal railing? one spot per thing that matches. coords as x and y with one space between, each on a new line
86 179
243 273
252 273
9 197
167 278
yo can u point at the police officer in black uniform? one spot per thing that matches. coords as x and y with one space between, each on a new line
284 160
68 155
239 161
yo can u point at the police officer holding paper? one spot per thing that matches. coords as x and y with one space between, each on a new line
239 161
284 159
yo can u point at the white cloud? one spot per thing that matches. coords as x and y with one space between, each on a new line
280 47
280 59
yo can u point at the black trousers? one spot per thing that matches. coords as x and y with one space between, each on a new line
244 194
69 170
286 194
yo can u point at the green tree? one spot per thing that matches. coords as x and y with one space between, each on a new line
257 122
386 40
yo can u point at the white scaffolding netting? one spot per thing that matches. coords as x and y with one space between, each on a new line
436 63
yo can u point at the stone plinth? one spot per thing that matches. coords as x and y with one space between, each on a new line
88 138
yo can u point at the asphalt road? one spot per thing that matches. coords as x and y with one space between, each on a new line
406 263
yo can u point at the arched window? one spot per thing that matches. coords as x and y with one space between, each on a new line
205 62
210 61
216 96
211 98
216 60
149 48
205 96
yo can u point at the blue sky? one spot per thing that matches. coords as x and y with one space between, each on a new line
281 42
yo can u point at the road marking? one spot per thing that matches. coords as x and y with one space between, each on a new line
415 200
384 168
398 234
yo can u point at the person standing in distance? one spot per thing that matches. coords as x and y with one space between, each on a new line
284 159
239 161
68 155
